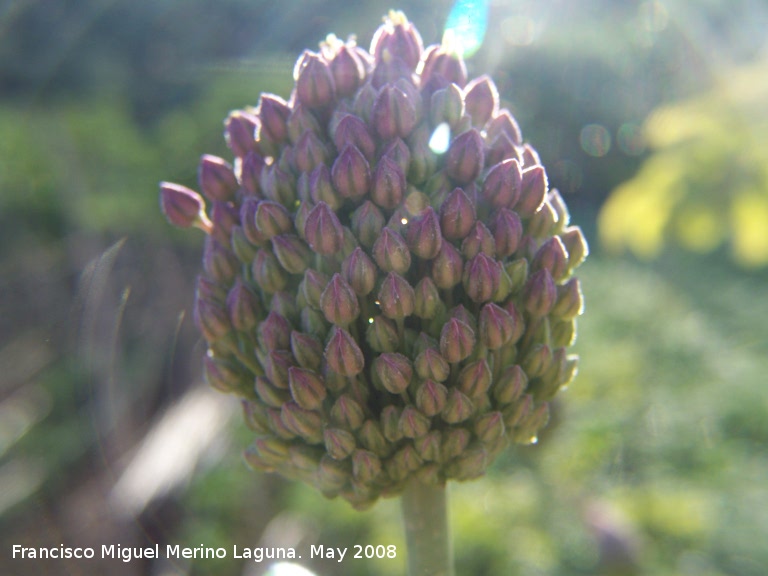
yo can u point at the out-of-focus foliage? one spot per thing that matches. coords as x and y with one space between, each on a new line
706 182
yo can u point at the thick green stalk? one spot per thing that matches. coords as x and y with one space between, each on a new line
425 515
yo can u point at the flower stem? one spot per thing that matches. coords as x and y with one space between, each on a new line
425 516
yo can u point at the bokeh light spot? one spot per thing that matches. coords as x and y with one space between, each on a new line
595 140
440 139
630 140
519 30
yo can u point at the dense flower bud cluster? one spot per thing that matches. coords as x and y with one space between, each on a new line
384 310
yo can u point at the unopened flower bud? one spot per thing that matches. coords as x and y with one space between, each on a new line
470 464
183 207
543 223
241 246
537 361
381 334
532 423
393 114
221 374
275 332
481 99
314 82
391 252
447 105
397 38
431 397
390 423
507 232
429 446
427 299
323 230
413 423
307 350
457 215
347 413
306 387
211 319
351 173
552 256
372 438
478 240
423 234
457 340
540 293
447 267
367 223
274 114
576 246
511 385
269 394
431 365
240 132
475 379
454 442
495 327
216 178
291 252
481 278
457 408
339 443
306 423
352 130
243 307
347 71
518 274
503 184
366 466
563 332
332 475
300 121
224 217
267 272
271 451
438 61
278 184
388 184
464 161
396 297
343 354
532 192
489 427
392 371
339 302
310 152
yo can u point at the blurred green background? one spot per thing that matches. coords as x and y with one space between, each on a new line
652 120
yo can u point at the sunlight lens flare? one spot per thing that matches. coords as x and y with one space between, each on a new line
466 26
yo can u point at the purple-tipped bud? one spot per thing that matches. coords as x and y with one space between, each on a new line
507 231
398 152
481 278
271 451
457 340
388 184
216 178
367 223
271 395
343 354
447 105
504 123
267 272
391 252
529 427
392 371
500 149
431 397
272 219
428 446
537 361
529 156
291 252
576 246
381 334
423 158
276 367
479 240
248 221
339 302
278 185
543 223
458 407
208 290
331 475
305 458
183 207
396 297
455 442
495 326
413 423
240 132
423 234
563 332
307 350
397 38
490 427
481 99
570 301
310 152
347 71
312 286
511 385
219 263
405 461
255 416
533 191
352 130
323 230
351 173
243 307
250 173
275 332
306 423
241 246
211 319
224 217
347 413
390 423
540 293
314 82
427 301
321 189
447 267
475 379
465 157
366 466
457 215
438 61
431 365
274 113
503 184
394 113
372 438
461 313
359 271
306 387
553 257
301 121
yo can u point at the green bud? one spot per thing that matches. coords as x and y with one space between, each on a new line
347 413
396 297
332 475
381 334
307 388
271 451
428 446
457 340
454 442
339 443
427 299
270 395
291 252
518 411
390 423
372 438
307 350
489 427
339 302
391 252
431 397
431 365
458 407
367 223
343 354
366 466
306 423
447 267
305 457
475 379
392 371
470 464
511 385
413 423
